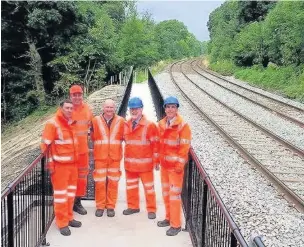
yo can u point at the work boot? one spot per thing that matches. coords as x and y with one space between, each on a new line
99 212
129 211
173 231
78 207
151 215
65 231
163 223
110 212
75 223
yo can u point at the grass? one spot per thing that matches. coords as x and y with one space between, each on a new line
287 81
32 119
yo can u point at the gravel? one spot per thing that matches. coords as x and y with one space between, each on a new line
251 200
281 127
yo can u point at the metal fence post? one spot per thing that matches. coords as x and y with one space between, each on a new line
43 183
204 219
10 219
233 240
189 192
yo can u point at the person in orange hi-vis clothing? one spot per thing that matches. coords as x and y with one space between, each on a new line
60 141
82 114
107 133
141 156
175 138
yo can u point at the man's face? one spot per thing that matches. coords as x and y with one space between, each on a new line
76 98
67 110
171 110
135 113
109 109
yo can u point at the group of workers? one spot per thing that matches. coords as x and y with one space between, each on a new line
148 146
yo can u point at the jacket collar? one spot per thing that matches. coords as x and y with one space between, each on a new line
62 119
177 120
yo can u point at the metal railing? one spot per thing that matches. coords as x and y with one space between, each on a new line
207 219
27 203
27 207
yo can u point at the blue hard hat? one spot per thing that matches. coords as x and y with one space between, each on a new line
135 102
171 100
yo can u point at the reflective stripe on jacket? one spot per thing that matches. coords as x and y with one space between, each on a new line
107 142
60 135
82 115
142 144
174 142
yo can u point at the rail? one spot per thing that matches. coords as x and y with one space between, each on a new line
207 219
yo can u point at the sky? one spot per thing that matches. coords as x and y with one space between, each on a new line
194 14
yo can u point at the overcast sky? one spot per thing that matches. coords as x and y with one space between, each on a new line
194 14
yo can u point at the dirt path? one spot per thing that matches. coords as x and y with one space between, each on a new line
21 147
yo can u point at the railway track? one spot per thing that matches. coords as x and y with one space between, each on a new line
290 112
280 161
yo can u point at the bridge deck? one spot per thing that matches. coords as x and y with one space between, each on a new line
132 230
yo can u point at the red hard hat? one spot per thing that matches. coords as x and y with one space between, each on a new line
76 89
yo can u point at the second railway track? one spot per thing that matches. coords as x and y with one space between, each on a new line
280 161
290 112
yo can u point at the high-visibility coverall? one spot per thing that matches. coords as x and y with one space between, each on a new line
173 152
141 156
59 134
107 156
83 116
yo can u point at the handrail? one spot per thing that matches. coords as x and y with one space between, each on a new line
207 218
26 200
29 191
10 187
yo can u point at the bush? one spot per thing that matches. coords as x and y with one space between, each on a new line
285 80
224 67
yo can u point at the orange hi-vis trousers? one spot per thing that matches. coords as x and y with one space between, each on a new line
83 171
147 178
64 181
172 183
106 176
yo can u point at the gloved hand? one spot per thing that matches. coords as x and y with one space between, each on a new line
156 167
178 168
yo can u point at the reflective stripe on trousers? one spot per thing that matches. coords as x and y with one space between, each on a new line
64 181
147 178
172 183
106 193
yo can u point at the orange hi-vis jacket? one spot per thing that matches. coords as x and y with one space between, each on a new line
83 116
174 142
142 144
108 142
60 135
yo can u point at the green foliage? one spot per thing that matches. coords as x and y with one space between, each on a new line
265 37
286 80
33 34
174 40
224 67
223 26
49 45
250 45
137 43
285 33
